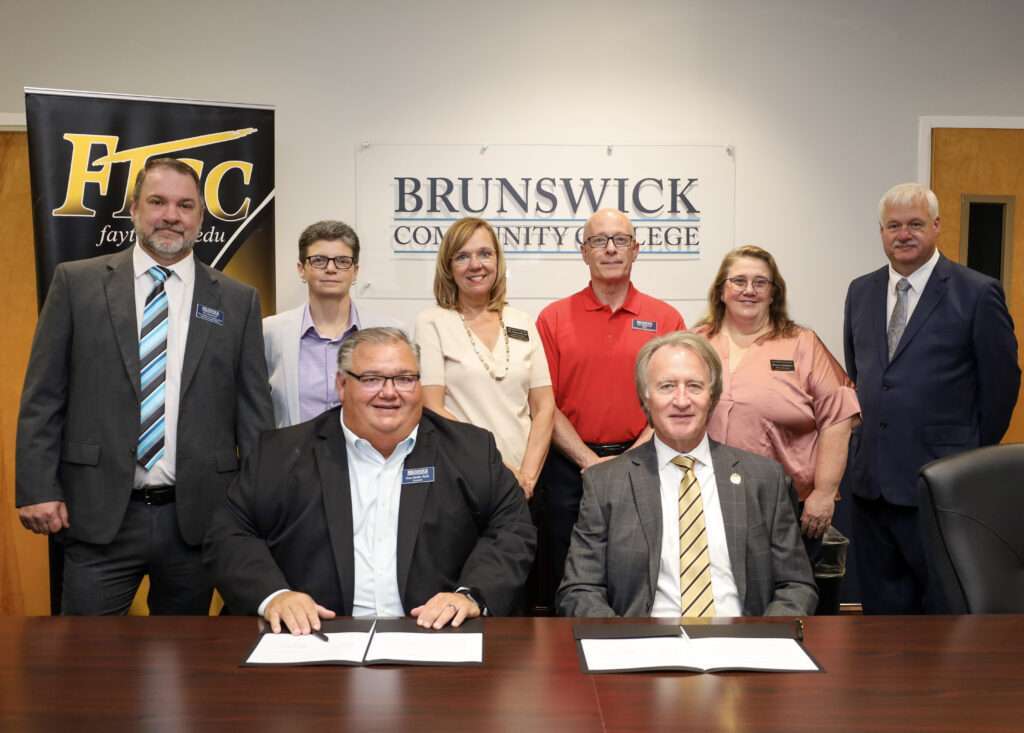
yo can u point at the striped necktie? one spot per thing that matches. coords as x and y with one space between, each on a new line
696 598
153 363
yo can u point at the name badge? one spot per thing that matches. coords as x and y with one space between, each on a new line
423 475
783 365
649 326
519 334
211 315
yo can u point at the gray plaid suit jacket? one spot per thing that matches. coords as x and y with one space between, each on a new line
612 568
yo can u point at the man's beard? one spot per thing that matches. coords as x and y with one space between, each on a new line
165 247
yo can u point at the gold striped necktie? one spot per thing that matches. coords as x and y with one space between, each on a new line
696 598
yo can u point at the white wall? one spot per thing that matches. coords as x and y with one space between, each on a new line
820 97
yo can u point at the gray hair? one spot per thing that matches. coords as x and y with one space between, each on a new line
679 340
908 194
380 335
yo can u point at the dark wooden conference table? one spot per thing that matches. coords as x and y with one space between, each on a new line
942 673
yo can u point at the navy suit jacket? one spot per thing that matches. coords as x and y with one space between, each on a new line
950 386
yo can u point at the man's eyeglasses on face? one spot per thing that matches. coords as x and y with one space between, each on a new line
319 262
376 382
600 241
760 284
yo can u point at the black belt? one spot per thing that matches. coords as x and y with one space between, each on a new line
154 495
609 449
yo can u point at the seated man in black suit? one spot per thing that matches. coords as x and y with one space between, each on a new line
376 508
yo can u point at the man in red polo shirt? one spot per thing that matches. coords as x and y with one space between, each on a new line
591 340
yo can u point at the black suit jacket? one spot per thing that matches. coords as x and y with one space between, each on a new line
950 386
79 419
287 522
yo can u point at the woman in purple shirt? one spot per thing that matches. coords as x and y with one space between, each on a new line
784 395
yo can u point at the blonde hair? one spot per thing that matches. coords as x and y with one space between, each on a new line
446 292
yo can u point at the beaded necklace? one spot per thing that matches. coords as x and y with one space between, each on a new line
472 341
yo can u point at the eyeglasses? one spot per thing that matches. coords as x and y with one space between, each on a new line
319 262
462 259
376 382
600 241
760 284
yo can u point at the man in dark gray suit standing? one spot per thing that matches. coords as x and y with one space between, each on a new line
684 526
145 384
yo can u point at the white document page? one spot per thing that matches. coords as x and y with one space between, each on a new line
426 647
767 654
603 655
288 649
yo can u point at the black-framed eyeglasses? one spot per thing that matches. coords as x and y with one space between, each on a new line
760 284
376 382
600 241
319 262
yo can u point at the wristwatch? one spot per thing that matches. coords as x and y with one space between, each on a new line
476 596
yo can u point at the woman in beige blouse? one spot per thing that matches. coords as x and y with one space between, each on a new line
482 361
784 395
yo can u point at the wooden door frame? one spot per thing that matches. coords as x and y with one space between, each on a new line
925 125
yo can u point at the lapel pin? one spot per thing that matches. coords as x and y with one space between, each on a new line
735 479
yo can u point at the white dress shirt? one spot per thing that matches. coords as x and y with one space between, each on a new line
376 484
917 279
179 286
723 585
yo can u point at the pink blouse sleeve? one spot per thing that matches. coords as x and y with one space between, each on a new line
832 393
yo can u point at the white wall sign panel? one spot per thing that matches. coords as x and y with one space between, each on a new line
681 199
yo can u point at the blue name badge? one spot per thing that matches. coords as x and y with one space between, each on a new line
649 326
423 475
211 315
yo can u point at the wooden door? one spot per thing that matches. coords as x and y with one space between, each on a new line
984 162
24 566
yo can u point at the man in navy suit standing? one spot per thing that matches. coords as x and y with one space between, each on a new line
930 345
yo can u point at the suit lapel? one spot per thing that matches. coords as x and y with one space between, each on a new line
413 499
206 292
332 465
933 294
120 290
646 486
877 303
290 354
732 498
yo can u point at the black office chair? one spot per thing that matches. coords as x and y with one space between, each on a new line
972 525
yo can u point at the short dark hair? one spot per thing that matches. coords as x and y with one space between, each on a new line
329 230
175 165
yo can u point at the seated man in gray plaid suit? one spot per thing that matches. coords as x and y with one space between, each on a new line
684 526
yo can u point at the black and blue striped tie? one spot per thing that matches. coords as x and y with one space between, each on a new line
153 362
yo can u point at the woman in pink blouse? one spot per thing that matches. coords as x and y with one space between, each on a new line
784 395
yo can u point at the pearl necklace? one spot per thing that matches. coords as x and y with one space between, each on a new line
472 341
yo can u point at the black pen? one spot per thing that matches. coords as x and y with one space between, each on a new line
320 635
